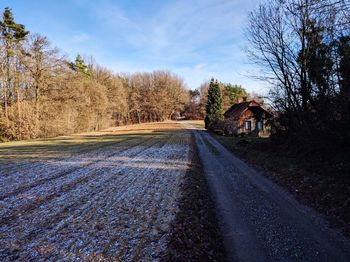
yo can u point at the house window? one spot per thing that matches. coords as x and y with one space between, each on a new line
260 125
248 125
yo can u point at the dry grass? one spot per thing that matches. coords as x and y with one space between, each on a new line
166 126
65 146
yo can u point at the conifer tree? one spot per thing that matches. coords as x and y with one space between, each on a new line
11 36
79 66
214 104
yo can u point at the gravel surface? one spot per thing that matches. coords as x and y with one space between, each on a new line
258 219
195 234
110 203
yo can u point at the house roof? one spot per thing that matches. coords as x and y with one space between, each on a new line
238 109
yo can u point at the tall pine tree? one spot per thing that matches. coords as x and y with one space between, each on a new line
80 66
214 104
11 36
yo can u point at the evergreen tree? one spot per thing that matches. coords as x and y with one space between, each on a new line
231 94
79 66
214 104
11 36
10 30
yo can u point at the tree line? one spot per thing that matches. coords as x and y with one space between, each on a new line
201 100
303 50
43 94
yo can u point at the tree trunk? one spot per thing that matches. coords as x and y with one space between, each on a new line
7 88
36 106
171 114
6 106
17 92
139 117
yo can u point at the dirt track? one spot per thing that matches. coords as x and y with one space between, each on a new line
110 202
259 220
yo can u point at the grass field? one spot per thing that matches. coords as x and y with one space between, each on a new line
78 143
111 194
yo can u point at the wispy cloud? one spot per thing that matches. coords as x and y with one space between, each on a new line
112 16
197 39
80 38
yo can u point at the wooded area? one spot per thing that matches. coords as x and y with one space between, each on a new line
229 95
303 50
42 94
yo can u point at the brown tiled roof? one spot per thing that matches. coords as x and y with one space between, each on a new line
238 109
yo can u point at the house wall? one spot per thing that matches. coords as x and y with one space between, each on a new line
246 116
237 126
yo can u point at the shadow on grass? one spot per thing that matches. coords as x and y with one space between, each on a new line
63 146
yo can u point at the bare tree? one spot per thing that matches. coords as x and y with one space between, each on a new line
295 44
43 64
43 94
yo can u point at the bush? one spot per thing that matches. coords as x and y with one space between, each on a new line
19 126
223 127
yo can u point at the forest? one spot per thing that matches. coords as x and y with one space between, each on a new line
43 94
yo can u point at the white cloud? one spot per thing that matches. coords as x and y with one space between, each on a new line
195 75
113 16
196 39
80 38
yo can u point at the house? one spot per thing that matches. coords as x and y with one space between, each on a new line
249 118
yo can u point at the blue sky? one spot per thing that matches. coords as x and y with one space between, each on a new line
196 39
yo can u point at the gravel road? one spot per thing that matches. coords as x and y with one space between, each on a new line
258 219
106 203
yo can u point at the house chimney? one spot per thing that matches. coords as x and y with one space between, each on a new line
241 99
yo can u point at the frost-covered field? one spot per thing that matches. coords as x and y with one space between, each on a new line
99 196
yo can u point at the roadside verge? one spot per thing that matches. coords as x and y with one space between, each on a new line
195 233
317 185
